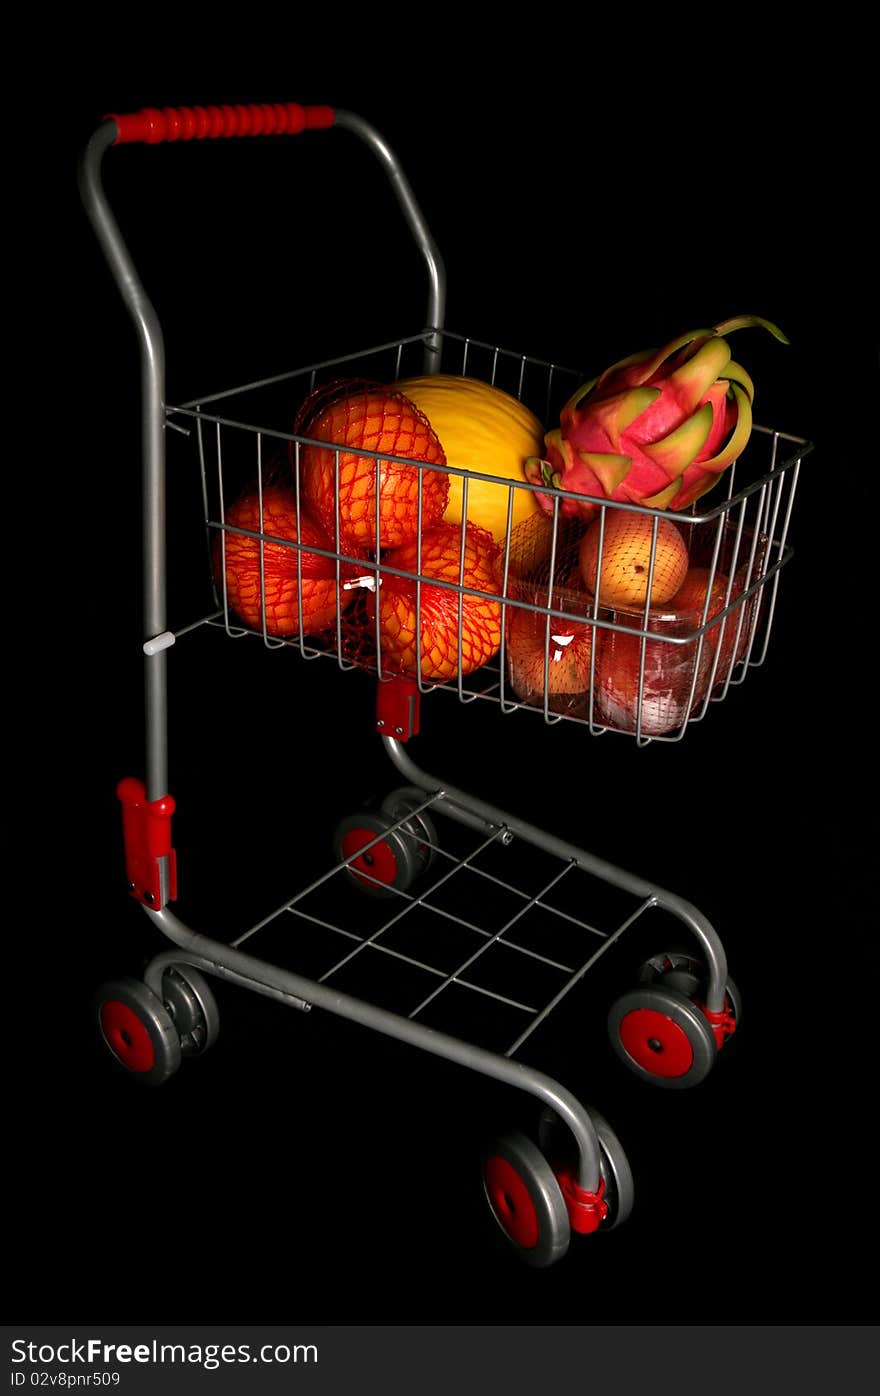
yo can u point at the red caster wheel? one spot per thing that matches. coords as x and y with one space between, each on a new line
526 1200
138 1030
662 1037
380 859
192 1007
661 1030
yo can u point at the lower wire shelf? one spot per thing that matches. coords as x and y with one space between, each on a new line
496 926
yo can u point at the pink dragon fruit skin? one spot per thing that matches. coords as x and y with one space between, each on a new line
657 429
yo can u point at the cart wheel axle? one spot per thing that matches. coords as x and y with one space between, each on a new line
405 804
192 1007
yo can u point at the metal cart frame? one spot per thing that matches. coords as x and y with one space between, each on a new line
172 1007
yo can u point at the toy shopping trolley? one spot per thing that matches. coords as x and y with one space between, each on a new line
358 509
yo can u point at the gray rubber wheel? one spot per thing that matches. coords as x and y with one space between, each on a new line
380 860
419 827
525 1199
138 1030
556 1143
192 1007
619 1185
662 1036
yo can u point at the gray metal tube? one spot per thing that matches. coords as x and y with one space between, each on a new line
151 340
417 225
152 347
702 928
255 974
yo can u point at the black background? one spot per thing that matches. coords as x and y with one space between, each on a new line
591 192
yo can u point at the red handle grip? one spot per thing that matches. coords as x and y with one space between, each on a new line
153 125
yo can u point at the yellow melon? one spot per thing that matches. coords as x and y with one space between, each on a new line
485 430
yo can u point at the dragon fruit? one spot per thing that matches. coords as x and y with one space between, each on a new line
657 429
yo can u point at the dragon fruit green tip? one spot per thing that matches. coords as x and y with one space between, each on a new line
658 428
741 321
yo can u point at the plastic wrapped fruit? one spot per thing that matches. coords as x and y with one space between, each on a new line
549 659
677 665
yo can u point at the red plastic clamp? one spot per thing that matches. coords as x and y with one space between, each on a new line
397 708
723 1023
153 125
586 1210
150 861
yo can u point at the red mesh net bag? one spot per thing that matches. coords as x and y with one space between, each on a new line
270 573
377 503
430 609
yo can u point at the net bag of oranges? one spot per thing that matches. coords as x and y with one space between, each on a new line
370 467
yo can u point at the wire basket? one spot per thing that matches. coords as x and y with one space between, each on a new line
526 619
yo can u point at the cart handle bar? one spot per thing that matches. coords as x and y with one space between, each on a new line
152 125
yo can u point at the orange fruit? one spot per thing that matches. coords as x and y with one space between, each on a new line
384 421
264 577
627 543
456 632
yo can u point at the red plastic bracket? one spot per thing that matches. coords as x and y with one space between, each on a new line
150 861
723 1024
397 708
586 1210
